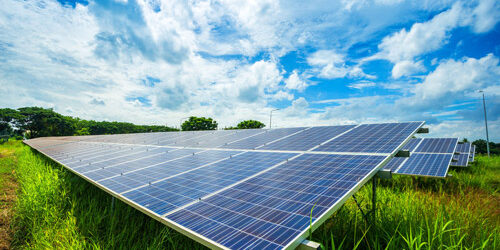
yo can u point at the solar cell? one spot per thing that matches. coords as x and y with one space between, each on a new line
437 145
171 193
136 159
48 143
262 139
412 144
460 160
218 138
230 196
238 136
278 202
371 138
307 139
463 148
424 164
394 163
142 175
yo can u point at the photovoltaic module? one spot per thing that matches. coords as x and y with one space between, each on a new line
235 189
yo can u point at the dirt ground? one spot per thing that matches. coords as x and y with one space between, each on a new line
8 188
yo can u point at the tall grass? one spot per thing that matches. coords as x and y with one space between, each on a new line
460 212
58 209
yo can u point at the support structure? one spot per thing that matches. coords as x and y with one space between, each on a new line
309 245
112 203
423 131
402 153
373 212
374 204
271 117
486 125
360 209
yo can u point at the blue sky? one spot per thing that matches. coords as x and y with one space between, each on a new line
319 62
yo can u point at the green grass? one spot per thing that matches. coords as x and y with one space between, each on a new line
55 208
8 160
461 212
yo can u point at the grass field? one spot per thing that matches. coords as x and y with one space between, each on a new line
55 208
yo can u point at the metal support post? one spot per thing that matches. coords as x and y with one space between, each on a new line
361 209
486 126
374 205
309 245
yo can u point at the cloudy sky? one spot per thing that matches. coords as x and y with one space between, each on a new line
319 62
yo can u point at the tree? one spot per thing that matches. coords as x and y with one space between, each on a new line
481 147
250 124
83 131
38 121
8 118
199 123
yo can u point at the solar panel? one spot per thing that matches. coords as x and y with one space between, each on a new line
262 139
279 201
394 164
460 160
371 138
255 190
170 193
437 145
463 148
430 157
219 138
412 144
307 139
424 164
472 153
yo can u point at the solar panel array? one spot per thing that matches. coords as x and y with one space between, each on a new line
429 157
461 158
234 188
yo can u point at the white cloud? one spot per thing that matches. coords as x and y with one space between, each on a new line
406 68
330 65
283 95
295 82
361 85
255 80
452 79
463 129
219 58
47 62
486 15
402 47
422 37
299 108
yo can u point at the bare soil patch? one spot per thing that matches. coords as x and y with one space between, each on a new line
8 187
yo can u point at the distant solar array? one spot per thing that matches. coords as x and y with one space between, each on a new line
237 188
462 155
472 153
432 157
428 157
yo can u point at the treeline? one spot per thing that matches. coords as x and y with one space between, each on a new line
248 124
36 122
31 122
482 149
